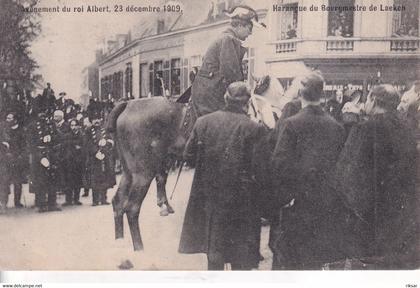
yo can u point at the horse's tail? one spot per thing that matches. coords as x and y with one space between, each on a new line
111 123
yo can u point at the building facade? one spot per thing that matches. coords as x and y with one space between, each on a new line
90 82
356 48
351 47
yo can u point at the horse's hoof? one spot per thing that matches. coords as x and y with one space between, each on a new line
170 209
125 265
164 213
164 210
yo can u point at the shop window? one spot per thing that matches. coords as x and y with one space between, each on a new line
289 21
406 23
176 76
340 23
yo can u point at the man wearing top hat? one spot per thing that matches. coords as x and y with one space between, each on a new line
222 63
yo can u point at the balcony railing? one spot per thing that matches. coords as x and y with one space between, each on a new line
405 45
352 46
340 45
286 46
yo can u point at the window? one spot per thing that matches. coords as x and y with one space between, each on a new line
158 78
104 87
196 61
185 76
143 87
406 23
151 78
176 76
288 21
166 71
116 85
129 81
340 24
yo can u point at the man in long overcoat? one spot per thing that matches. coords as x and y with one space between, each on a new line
63 132
42 142
18 163
222 217
376 174
73 161
99 162
306 150
222 63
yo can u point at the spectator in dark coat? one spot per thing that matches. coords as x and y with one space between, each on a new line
48 99
222 217
86 125
222 64
42 142
63 132
376 175
73 160
306 151
99 147
18 163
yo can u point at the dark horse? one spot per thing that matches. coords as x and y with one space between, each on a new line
150 134
147 132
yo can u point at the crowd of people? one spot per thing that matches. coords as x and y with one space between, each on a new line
57 147
337 180
329 194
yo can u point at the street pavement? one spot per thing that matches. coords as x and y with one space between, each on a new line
82 237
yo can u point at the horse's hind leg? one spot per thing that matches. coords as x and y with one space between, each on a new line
162 199
138 190
119 202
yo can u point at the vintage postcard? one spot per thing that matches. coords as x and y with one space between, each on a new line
209 135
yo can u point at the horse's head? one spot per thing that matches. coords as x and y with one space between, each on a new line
270 89
410 98
271 93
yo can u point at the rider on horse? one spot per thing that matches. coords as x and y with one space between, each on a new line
222 63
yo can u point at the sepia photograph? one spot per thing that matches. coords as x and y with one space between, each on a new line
210 135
